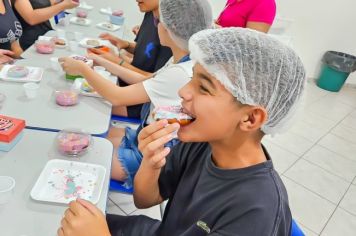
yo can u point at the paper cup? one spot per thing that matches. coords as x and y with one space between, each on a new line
7 185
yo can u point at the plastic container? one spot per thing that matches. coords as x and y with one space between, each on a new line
6 147
7 185
117 17
66 97
55 65
44 47
73 142
335 70
82 58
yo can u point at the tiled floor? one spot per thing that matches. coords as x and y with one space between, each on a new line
317 161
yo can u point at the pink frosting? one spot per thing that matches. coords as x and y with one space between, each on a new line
82 14
73 143
44 48
66 98
117 13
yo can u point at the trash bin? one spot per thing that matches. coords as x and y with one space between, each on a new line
336 68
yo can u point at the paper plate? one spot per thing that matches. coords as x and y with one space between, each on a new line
80 21
108 26
35 75
64 181
84 43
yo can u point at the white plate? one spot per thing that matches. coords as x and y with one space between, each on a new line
106 11
84 44
34 75
91 94
64 181
46 38
80 21
104 25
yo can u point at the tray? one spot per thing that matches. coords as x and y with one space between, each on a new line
63 181
80 21
84 44
108 26
35 75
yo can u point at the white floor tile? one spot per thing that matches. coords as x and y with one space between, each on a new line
318 180
308 131
332 162
111 208
345 132
291 142
330 109
313 93
306 231
349 121
153 212
308 208
354 181
282 159
339 145
125 201
348 203
347 97
317 121
353 114
342 223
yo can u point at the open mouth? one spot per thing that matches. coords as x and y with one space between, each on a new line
173 114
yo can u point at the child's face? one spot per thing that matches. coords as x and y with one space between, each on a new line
216 111
147 5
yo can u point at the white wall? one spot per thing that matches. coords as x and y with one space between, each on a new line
319 26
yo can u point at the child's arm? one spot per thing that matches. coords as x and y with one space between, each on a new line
129 76
117 96
151 144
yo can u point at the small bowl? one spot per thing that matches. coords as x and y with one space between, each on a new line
7 185
73 142
44 47
117 20
67 97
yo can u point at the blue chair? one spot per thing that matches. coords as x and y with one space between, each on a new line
118 186
296 231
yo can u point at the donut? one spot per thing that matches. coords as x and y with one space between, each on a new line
71 143
44 47
18 72
173 114
82 14
93 42
66 98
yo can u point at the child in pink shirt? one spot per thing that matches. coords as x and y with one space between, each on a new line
256 14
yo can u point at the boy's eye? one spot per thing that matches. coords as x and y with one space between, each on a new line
203 89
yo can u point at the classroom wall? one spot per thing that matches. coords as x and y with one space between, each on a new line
318 26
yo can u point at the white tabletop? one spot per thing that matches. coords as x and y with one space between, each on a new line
25 216
90 114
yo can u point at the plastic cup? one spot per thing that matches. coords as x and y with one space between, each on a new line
7 185
56 66
78 36
73 46
31 90
61 34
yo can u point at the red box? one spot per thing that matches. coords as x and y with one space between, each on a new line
10 128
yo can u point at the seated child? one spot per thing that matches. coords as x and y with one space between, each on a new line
221 181
162 88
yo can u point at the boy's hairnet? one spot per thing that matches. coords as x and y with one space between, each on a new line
255 68
183 18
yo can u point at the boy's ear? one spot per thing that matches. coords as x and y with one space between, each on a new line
253 119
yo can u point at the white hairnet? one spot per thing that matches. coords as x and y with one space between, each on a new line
256 68
183 18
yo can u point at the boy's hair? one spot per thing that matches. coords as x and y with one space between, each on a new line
256 68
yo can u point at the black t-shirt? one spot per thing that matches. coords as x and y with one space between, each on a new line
10 27
204 198
149 55
32 32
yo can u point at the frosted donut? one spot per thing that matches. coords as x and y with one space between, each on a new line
17 72
118 13
173 114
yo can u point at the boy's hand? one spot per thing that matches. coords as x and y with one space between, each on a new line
151 143
72 66
83 219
